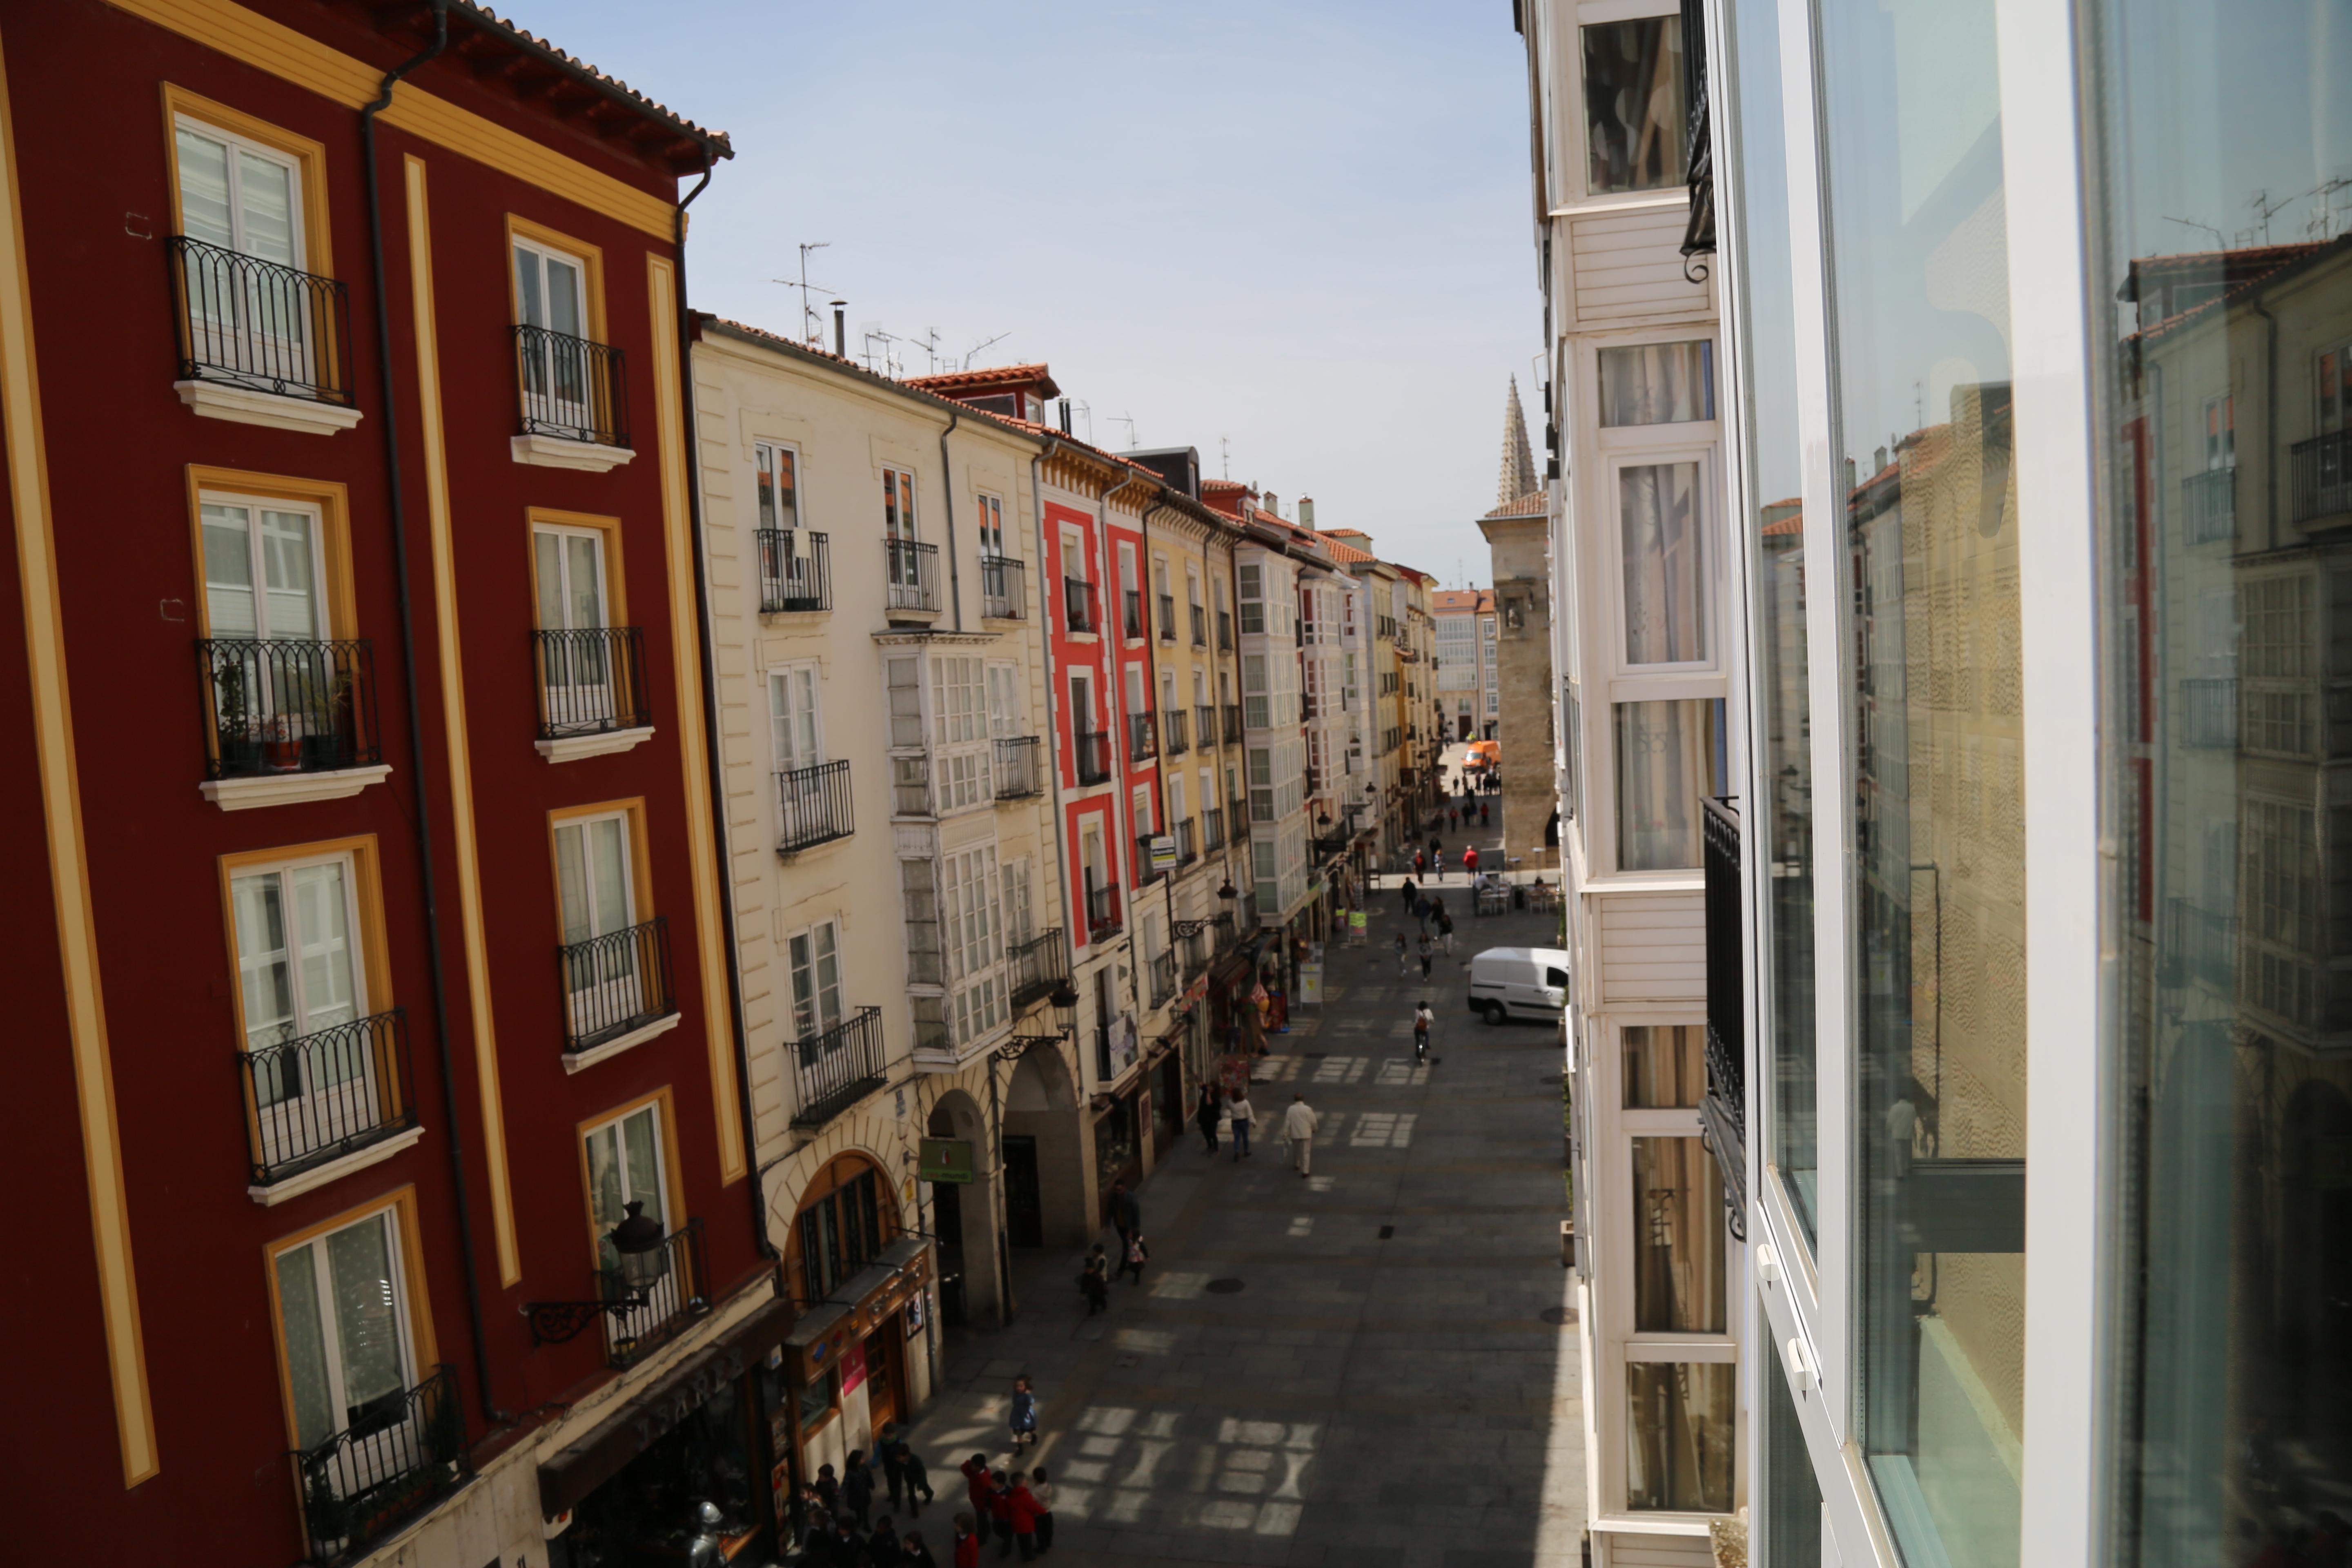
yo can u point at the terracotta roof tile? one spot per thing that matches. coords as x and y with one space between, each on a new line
1534 505
717 140
998 375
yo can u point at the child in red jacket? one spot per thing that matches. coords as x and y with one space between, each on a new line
1022 1505
1000 1511
967 1542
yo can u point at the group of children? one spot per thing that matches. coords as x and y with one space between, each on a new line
1017 1506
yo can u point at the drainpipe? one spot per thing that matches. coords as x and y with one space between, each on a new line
1118 692
2270 425
1052 703
1159 773
395 495
947 500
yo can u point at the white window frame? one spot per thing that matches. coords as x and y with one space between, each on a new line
322 609
316 1112
618 996
803 1035
392 1449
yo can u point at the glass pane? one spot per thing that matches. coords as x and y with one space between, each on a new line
1666 596
609 864
286 560
642 1142
367 1319
2220 216
571 882
1658 384
1665 1066
266 966
1633 104
606 1206
1921 385
1792 1494
323 915
230 609
1669 754
529 292
563 299
204 189
801 960
583 581
305 1345
1677 1237
1678 1435
547 571
1757 158
265 192
828 978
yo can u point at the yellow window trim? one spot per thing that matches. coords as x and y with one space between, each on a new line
422 1343
673 1176
616 596
309 157
641 875
333 501
367 895
590 257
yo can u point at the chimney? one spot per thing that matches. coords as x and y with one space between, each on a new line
1306 511
1274 503
1066 415
841 328
1878 461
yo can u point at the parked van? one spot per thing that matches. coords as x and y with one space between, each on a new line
1519 983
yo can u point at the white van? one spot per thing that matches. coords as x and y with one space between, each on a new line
1519 983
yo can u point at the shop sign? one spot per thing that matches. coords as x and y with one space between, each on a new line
853 1366
1310 982
915 1305
944 1160
1163 853
1198 989
688 1395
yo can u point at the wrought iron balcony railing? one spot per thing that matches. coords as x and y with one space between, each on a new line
1020 767
1162 968
287 706
1040 967
1188 841
1167 618
814 806
795 571
1142 736
1081 609
1179 723
1145 872
1212 828
591 681
1224 631
1003 588
1233 723
1091 750
2322 471
1103 914
2209 506
257 324
400 1454
319 1096
572 389
1199 627
615 984
1204 724
1131 613
1723 1113
912 570
839 1067
634 1325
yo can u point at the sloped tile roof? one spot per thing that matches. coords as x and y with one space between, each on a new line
486 20
1534 505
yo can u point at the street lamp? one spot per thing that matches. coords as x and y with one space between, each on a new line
643 1259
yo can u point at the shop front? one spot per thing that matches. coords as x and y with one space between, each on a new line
862 1360
630 1491
1118 1143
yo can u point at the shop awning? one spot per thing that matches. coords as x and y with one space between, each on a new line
582 1466
822 1316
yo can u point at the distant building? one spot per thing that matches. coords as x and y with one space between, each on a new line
1468 678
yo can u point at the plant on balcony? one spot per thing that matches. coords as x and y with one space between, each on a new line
240 749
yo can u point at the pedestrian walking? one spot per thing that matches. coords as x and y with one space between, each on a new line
919 1478
1094 1283
1420 864
967 1542
913 1554
1135 1258
1485 816
1408 890
843 1544
893 1470
1470 861
1437 852
1401 951
1023 1503
1298 1125
1453 818
1210 1106
1240 1108
975 1481
1043 1490
1422 1019
1025 1414
1445 930
1421 907
857 1489
1125 1214
1424 958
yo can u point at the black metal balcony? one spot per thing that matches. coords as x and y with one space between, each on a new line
1103 913
838 1067
1188 841
2322 470
912 569
1723 1114
1233 723
1213 829
1131 613
2209 506
1003 588
1142 736
591 681
1162 969
1040 966
1081 609
1179 724
1167 618
615 984
795 571
1204 724
1145 872
1224 631
1091 750
1020 767
400 1454
814 806
572 389
320 1096
1199 627
290 706
635 1324
248 322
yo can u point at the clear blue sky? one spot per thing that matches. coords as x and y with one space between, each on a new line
1301 226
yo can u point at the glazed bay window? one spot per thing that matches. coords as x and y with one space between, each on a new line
1670 755
1633 108
973 940
1252 597
572 388
1255 703
964 753
1679 1436
1661 522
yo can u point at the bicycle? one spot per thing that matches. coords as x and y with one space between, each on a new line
1420 1022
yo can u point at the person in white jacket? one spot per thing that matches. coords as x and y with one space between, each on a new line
1298 1132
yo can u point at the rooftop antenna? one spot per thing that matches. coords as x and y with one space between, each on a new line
2263 207
2219 242
1225 458
1127 420
872 333
1086 411
930 342
812 322
977 347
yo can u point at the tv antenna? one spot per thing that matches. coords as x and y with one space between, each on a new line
977 347
1127 420
812 321
1085 412
872 333
1225 458
2219 242
930 342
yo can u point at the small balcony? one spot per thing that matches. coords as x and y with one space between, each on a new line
1091 757
1103 916
814 806
839 1067
1020 767
1004 589
1199 627
570 389
1204 724
1188 841
1040 966
1224 631
1168 617
615 984
325 1094
260 326
636 1325
795 571
401 1454
2209 506
1145 872
1179 725
1081 609
592 681
290 706
1213 829
1130 612
1162 969
1233 723
2322 475
1142 736
912 570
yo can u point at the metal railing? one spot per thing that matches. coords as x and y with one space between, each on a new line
319 1096
2209 714
1204 724
1039 966
1081 610
1020 768
2321 469
572 389
1723 1113
400 1453
1003 588
1233 723
1142 736
1188 841
1167 618
1092 756
615 984
1199 627
1212 828
1224 631
1162 967
637 1324
795 571
287 706
814 806
591 681
2209 506
912 569
1179 724
838 1067
1131 613
258 324
1145 872
1102 910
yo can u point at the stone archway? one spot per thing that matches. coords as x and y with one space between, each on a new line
1045 1154
962 1215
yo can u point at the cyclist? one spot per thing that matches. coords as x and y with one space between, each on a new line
1422 1018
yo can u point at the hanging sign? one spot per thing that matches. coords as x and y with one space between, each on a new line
1163 853
944 1160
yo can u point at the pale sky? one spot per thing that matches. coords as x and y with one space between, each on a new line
1300 227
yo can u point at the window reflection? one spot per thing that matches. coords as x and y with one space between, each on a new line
1665 1066
1633 104
1677 1237
1669 754
1658 384
1678 1435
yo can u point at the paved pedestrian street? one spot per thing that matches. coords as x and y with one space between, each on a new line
1372 1365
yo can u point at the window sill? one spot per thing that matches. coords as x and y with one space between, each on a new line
318 1176
916 614
555 452
581 1061
288 789
604 743
219 400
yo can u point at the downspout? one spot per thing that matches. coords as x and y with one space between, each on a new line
1053 702
395 496
2270 424
1159 771
714 757
947 500
1117 694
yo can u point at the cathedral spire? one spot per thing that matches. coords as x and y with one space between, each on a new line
1518 459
